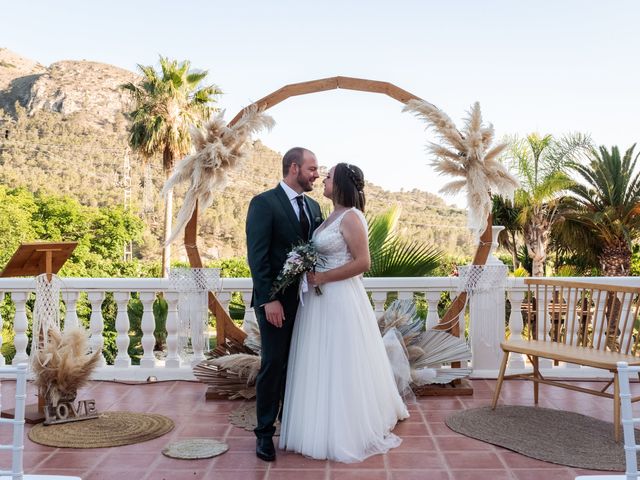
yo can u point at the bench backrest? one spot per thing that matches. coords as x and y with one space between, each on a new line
591 315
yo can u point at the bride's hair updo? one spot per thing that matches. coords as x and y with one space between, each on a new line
348 186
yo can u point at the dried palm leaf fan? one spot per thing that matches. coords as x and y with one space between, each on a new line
429 351
232 376
231 371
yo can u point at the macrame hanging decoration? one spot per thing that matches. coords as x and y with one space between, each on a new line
193 286
481 278
482 283
46 314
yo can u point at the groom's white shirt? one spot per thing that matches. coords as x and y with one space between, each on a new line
291 194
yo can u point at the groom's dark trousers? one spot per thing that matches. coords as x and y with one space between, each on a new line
273 369
273 229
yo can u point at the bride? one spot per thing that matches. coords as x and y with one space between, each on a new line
341 400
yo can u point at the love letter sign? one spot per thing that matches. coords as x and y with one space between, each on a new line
69 412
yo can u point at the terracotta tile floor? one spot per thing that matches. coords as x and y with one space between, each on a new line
429 449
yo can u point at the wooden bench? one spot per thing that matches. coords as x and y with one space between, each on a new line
580 323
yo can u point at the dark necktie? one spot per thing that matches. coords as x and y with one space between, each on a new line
304 220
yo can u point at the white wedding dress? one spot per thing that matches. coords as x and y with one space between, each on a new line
341 400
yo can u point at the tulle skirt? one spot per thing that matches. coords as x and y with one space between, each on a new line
341 399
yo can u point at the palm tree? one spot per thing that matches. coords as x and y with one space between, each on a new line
541 163
393 256
606 207
166 105
506 214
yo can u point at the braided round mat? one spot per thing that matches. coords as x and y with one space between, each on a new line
194 448
110 429
245 417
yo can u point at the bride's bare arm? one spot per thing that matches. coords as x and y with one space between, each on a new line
355 235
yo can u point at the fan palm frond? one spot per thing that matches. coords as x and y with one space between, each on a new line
429 351
393 256
606 205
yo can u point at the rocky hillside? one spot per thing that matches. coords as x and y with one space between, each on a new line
66 87
67 135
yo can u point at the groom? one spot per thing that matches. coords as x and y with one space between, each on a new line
277 220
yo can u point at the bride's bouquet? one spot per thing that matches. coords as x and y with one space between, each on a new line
301 259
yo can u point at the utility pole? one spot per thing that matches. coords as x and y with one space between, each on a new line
126 185
147 189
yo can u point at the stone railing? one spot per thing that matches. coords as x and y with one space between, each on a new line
487 327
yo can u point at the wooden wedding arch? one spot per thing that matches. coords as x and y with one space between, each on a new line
225 328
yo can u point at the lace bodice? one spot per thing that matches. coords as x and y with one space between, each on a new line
330 243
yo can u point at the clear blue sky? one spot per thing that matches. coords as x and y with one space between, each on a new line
549 66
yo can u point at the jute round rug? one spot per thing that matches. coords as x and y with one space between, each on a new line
110 429
245 417
554 436
195 448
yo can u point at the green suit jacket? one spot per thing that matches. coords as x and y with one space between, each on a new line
273 229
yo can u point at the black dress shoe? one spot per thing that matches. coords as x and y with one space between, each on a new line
265 449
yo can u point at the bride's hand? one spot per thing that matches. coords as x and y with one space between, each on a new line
315 278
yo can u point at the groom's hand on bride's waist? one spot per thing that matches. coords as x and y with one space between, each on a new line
274 313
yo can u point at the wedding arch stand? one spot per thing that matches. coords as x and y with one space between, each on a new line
30 260
226 329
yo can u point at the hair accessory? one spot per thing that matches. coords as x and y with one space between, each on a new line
357 181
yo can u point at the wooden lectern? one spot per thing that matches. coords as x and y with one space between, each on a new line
32 259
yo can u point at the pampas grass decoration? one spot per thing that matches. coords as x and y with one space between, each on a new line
219 148
469 156
64 364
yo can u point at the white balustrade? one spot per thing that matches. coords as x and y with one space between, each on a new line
70 298
173 358
96 323
516 360
250 322
19 299
17 290
122 329
378 299
148 325
433 298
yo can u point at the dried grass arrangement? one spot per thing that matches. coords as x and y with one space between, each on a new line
219 148
64 364
468 155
